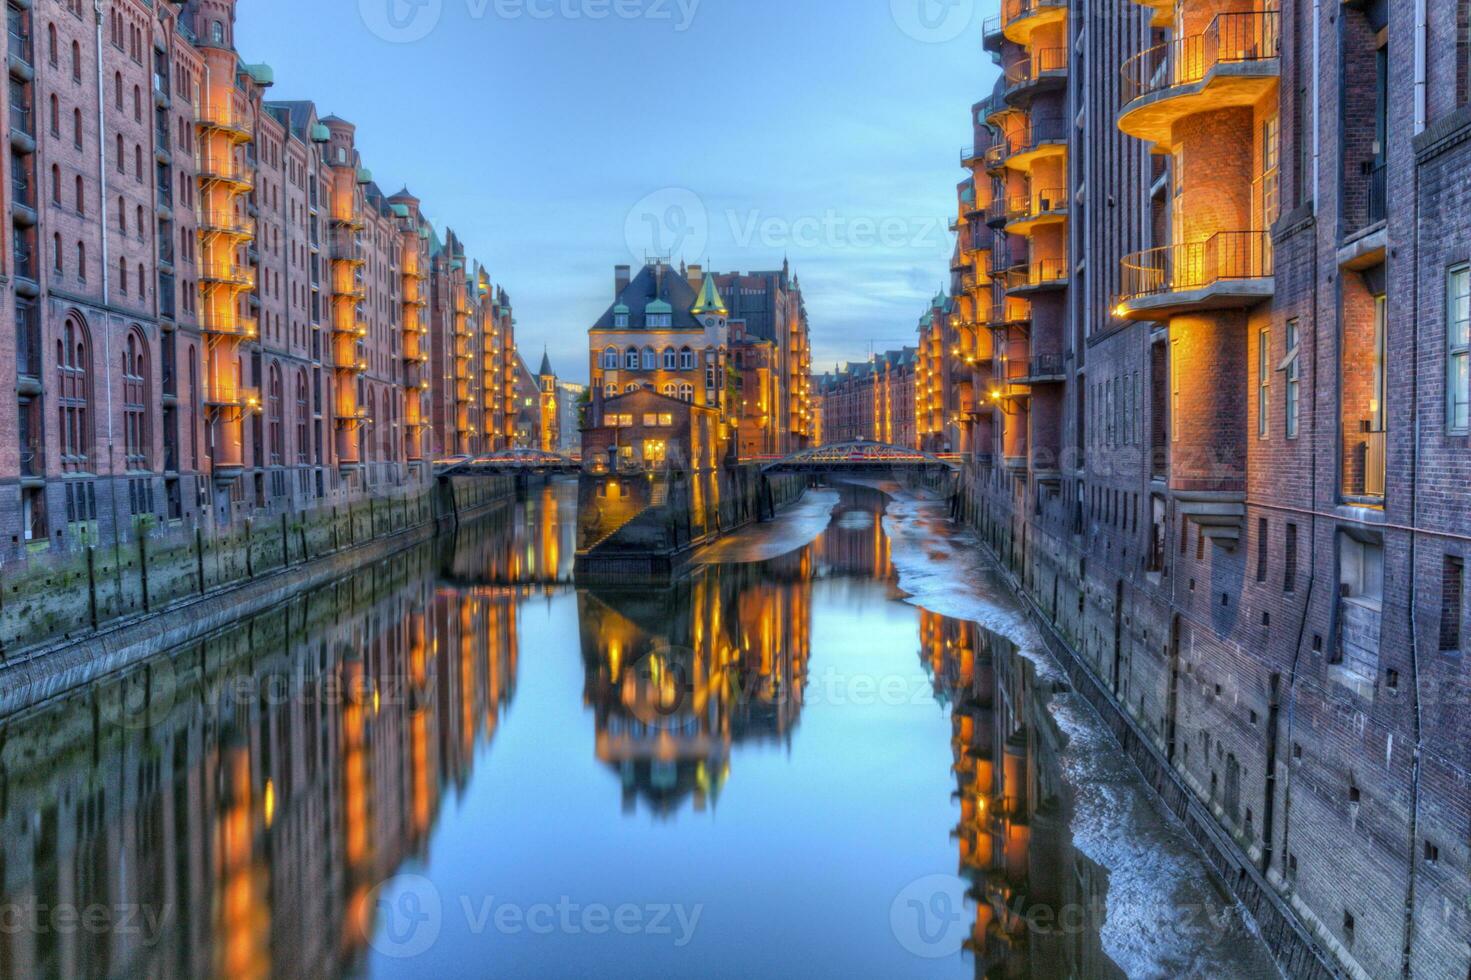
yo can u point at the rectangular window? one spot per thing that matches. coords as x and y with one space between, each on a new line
1263 381
1289 560
1453 583
1458 346
1292 368
1266 190
1261 549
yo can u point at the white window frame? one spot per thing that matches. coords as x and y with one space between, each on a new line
1263 382
1458 349
630 359
1292 369
686 360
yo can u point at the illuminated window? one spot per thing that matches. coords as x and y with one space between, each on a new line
1267 195
1175 391
1458 320
686 392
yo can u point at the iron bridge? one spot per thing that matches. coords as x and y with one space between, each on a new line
860 456
511 461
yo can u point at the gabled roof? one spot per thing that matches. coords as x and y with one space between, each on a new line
653 285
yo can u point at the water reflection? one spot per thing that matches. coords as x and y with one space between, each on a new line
232 809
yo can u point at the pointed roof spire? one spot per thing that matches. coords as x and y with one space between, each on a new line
546 364
710 300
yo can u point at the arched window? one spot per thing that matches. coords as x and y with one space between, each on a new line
74 395
55 117
610 359
137 104
82 261
630 359
77 127
51 44
610 391
76 61
138 161
633 387
122 267
303 414
651 359
274 418
55 184
137 427
117 90
686 392
122 215
671 360
686 359
671 390
81 196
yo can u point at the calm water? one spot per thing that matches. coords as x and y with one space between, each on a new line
456 764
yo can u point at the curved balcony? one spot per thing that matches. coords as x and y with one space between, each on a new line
1021 18
970 156
1229 270
1036 276
1041 207
1232 63
991 35
1042 138
1043 70
1041 369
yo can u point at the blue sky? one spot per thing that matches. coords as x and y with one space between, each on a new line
556 136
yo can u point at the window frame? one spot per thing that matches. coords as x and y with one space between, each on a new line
1458 350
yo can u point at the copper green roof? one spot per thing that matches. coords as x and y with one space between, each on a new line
658 306
320 133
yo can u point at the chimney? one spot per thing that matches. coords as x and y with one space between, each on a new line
697 276
621 275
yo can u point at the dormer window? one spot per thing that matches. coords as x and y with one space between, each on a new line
620 320
657 320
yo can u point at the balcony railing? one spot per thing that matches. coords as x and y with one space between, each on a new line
1225 256
1014 10
32 461
1038 273
20 38
22 120
1046 367
25 258
1228 39
1052 200
229 324
1042 63
22 191
1378 192
1026 137
224 222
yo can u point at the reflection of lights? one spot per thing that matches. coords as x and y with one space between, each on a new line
270 803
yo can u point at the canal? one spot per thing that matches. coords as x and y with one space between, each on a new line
830 751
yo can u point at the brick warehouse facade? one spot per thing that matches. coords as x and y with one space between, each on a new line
211 310
1231 248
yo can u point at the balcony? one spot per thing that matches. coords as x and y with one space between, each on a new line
224 119
229 324
1233 63
1044 70
1036 276
227 274
21 59
224 223
1364 464
991 35
1021 18
22 196
1042 207
1039 138
1042 369
346 247
219 168
22 127
1229 270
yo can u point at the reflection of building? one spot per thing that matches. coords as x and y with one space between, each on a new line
253 790
519 549
677 678
1012 834
872 400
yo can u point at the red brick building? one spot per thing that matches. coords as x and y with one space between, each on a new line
873 400
1216 288
210 308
